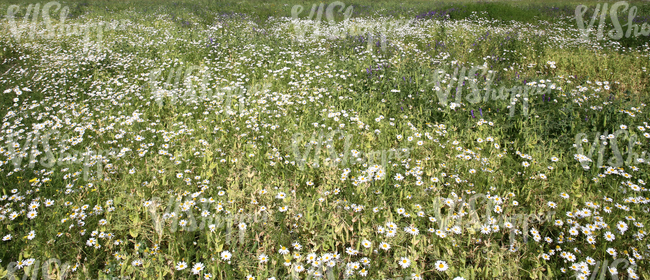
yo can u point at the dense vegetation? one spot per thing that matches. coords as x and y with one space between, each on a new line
239 139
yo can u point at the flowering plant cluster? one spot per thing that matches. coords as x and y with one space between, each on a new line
215 145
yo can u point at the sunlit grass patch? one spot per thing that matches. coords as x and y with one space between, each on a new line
226 140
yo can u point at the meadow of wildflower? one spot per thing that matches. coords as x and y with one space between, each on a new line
203 139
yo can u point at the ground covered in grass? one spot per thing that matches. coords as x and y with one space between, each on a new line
248 140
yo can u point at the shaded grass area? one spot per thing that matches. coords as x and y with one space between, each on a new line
523 11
